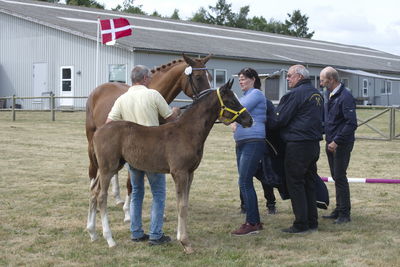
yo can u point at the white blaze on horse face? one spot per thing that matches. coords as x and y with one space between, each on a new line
188 70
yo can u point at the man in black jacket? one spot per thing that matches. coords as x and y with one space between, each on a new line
299 118
340 125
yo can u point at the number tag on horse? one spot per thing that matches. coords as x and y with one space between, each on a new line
188 70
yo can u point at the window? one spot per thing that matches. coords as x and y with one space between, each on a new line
387 88
117 73
66 79
365 88
218 77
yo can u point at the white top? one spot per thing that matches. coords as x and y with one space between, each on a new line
140 105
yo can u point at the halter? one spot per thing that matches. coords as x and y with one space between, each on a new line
188 71
224 108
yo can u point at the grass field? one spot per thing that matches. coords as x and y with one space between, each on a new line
44 200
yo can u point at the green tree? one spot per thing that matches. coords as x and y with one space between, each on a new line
240 19
86 3
200 16
128 7
296 25
175 15
156 14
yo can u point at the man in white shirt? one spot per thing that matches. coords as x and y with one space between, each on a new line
143 106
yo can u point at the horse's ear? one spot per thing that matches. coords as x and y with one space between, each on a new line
188 60
231 83
206 58
227 86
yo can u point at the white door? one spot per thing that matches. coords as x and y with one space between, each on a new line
67 86
40 84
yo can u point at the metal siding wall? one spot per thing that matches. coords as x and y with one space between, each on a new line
23 43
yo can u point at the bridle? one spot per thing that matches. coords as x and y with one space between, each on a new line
198 95
189 71
224 108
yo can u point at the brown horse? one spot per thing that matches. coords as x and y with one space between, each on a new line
168 79
175 147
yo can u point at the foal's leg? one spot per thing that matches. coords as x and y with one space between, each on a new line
183 181
116 190
91 221
126 207
104 180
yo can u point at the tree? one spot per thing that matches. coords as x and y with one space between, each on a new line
128 7
175 15
86 3
297 25
200 16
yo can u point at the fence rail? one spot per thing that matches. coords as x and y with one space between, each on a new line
376 114
14 108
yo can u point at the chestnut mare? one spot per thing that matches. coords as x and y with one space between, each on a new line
175 147
168 79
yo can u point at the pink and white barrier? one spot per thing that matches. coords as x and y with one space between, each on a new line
365 180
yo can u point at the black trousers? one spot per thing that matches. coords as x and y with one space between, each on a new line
301 169
338 163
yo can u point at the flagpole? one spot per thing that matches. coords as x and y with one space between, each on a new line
97 51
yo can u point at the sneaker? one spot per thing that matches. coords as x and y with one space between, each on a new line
271 210
141 239
294 230
247 229
162 240
342 220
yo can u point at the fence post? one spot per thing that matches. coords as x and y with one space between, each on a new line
13 107
52 106
392 123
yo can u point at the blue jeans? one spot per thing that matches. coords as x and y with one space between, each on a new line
248 156
158 189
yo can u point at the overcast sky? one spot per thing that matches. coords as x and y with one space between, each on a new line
373 24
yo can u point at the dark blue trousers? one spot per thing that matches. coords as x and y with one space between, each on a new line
338 163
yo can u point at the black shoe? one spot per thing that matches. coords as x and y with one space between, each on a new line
271 210
342 219
162 240
141 239
313 229
333 216
294 230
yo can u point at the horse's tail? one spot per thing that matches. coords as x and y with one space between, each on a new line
93 165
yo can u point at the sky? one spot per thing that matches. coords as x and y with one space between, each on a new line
373 24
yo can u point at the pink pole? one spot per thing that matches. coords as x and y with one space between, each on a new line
365 180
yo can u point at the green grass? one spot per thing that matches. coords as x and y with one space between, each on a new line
44 201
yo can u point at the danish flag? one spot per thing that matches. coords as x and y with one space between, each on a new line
112 29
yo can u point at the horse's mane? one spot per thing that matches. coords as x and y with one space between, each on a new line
166 67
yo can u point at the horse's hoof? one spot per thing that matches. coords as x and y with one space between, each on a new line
112 244
127 220
188 250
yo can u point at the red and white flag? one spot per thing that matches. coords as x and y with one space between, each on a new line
112 29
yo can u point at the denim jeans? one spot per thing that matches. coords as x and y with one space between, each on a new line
338 163
248 155
158 189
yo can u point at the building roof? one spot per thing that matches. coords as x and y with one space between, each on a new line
176 36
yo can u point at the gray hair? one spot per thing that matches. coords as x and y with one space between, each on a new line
138 73
300 69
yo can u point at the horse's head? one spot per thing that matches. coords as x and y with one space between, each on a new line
231 109
198 77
